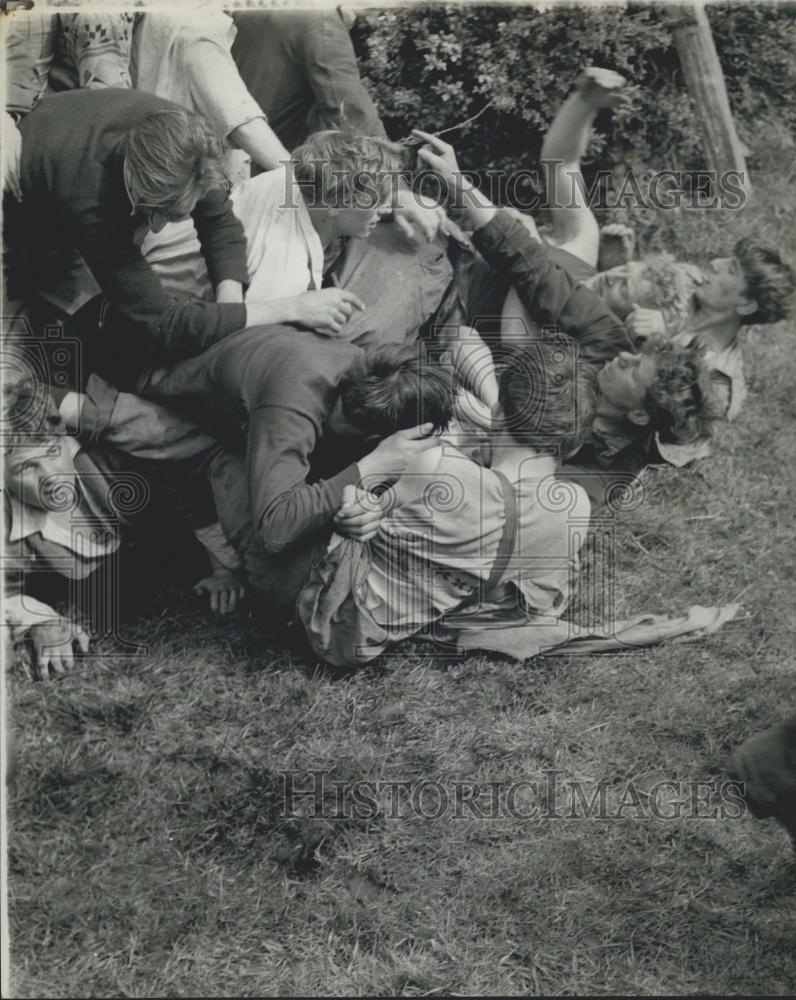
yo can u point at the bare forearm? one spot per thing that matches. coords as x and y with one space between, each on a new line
271 313
568 135
259 141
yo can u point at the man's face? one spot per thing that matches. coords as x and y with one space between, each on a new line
625 380
156 218
37 474
357 223
622 286
724 286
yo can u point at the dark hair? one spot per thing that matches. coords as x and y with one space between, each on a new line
680 402
769 280
547 394
396 386
176 158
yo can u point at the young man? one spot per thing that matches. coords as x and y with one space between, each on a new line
106 166
294 393
551 297
646 401
316 217
753 286
461 539
71 501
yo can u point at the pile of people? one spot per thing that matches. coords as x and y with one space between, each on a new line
366 412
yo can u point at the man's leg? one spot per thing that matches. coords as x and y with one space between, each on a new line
575 229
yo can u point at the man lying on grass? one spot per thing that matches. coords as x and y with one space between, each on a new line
663 391
703 306
71 507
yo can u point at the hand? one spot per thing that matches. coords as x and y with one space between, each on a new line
361 514
52 646
13 157
601 88
326 311
644 323
392 455
418 217
439 155
225 589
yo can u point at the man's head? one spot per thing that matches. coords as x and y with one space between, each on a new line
391 388
755 284
347 177
665 387
39 467
172 159
547 395
658 282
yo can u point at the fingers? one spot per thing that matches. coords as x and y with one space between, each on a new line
223 602
351 298
432 140
82 639
415 433
405 226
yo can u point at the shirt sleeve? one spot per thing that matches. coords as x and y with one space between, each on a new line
286 507
221 238
218 89
331 66
551 297
164 327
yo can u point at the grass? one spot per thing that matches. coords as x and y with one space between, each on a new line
149 854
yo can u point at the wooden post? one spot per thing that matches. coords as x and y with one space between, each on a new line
705 80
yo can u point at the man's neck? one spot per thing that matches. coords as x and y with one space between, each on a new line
610 411
324 226
715 330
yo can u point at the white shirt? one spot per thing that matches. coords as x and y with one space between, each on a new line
284 254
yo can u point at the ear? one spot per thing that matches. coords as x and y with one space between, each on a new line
746 307
640 417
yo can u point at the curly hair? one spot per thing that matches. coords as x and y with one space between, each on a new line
29 415
681 402
176 158
396 386
547 394
769 280
335 169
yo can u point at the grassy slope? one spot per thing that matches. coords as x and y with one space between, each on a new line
147 857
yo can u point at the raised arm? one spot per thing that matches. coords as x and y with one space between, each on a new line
574 227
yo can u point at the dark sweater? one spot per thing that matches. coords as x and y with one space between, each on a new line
74 197
550 295
284 382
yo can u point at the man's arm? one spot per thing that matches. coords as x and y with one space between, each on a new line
548 293
285 506
167 329
331 66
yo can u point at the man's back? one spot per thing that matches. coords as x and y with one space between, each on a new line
71 141
300 67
